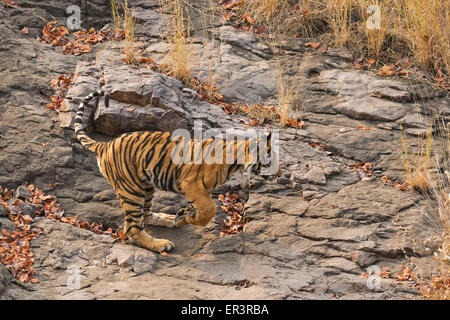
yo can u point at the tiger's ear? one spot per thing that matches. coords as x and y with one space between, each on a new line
269 137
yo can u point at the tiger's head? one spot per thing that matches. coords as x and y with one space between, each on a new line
264 160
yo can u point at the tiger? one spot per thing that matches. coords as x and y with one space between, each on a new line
137 163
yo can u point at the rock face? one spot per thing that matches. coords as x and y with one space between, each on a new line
312 231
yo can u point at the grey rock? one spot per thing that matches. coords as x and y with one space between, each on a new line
416 121
30 209
371 109
138 260
22 192
7 224
2 212
5 279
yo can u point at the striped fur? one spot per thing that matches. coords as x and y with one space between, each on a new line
136 163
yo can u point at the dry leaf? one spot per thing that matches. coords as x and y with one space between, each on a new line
232 5
313 45
294 123
246 17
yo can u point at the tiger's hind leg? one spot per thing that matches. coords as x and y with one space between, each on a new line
134 225
153 218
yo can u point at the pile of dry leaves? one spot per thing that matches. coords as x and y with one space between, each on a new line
405 275
400 186
56 36
9 2
15 251
234 13
397 69
438 288
235 219
364 169
61 86
322 148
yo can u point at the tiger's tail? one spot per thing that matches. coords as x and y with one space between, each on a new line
87 142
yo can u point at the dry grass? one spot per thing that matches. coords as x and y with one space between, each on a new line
287 95
178 65
340 13
426 26
429 172
408 28
117 18
375 35
124 28
132 54
262 114
265 11
418 174
210 56
282 112
438 288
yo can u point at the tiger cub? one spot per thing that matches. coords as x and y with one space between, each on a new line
136 163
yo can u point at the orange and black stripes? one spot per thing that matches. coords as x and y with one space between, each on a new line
135 163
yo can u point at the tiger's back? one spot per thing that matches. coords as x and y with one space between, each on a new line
135 160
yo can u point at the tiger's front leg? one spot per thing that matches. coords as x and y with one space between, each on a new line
153 218
134 227
202 210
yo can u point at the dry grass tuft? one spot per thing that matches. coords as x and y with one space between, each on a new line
132 54
118 23
124 28
117 19
261 114
340 13
210 56
179 51
287 95
418 174
264 11
375 35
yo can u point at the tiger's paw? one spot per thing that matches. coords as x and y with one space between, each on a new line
183 214
163 245
157 245
146 241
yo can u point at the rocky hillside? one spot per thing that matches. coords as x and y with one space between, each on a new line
312 233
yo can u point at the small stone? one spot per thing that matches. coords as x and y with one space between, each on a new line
331 168
30 209
143 261
2 211
22 192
